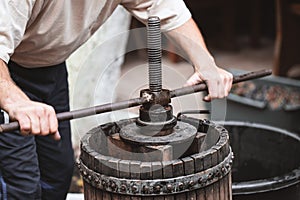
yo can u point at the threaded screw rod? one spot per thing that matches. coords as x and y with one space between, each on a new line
154 54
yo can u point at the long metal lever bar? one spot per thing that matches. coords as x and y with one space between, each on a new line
75 114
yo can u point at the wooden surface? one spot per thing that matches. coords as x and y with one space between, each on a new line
220 189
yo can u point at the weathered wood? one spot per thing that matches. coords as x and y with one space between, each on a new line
157 170
90 192
198 159
146 170
196 144
113 164
106 195
136 198
135 172
207 160
169 197
229 183
221 156
189 168
200 194
226 187
180 196
216 188
222 189
161 152
115 196
167 169
201 176
117 148
209 192
99 194
148 198
178 169
124 197
159 198
191 195
189 165
124 169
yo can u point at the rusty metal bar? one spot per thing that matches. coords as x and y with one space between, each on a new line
236 79
135 102
75 114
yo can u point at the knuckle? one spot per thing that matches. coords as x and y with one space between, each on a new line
25 129
45 132
24 124
50 111
53 131
39 111
35 132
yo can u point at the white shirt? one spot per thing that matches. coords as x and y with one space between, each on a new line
37 33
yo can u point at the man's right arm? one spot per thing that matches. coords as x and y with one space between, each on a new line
34 117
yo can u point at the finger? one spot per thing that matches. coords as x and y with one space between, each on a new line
56 136
207 98
35 124
53 123
228 83
194 79
212 89
221 89
44 124
25 125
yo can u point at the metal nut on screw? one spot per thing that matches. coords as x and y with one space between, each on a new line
223 169
157 189
97 180
210 176
191 183
180 186
227 165
113 185
104 183
134 188
169 187
84 173
200 180
123 188
146 189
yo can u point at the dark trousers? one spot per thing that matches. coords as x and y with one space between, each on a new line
38 167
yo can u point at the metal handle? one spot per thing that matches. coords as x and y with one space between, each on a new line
137 101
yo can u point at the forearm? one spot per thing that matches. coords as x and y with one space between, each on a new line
33 117
189 38
9 92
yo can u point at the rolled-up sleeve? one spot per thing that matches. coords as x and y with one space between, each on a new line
14 16
172 13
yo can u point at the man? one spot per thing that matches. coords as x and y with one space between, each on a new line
36 37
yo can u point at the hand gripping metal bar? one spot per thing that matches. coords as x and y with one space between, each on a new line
75 114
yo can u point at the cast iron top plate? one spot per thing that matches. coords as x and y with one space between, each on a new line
181 133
